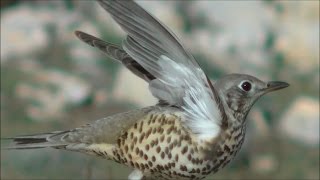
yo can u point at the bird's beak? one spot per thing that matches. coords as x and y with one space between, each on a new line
275 85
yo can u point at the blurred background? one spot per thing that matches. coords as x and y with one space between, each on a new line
51 81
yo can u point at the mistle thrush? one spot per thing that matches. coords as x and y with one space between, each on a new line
197 127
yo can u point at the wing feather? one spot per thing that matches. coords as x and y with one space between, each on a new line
116 53
179 79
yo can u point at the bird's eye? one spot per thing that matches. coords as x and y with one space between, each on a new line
246 86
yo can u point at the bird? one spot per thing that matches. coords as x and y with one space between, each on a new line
196 127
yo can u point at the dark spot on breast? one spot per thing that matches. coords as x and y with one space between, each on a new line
183 168
194 161
219 153
159 167
162 155
169 155
168 139
126 148
162 138
145 157
224 158
146 166
226 148
148 132
153 158
161 131
147 147
187 137
137 165
201 161
175 143
171 146
166 150
154 130
197 161
158 149
135 125
105 153
170 130
150 163
142 166
152 143
184 150
154 119
135 139
191 151
125 135
189 157
237 136
129 155
137 150
158 129
150 118
177 157
160 119
141 137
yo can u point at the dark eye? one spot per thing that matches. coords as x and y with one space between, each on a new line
246 86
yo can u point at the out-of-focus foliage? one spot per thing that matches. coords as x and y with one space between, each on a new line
51 81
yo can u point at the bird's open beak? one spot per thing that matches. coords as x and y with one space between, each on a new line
275 85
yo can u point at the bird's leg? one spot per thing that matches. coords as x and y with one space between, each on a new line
135 175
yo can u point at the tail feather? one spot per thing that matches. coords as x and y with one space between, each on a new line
52 139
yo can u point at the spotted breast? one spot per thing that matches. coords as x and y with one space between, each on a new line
162 148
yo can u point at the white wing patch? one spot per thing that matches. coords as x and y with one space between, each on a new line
188 87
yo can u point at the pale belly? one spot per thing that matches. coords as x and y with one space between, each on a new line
160 147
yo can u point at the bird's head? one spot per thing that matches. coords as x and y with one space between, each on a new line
239 92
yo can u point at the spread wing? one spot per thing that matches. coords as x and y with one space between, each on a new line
116 53
179 79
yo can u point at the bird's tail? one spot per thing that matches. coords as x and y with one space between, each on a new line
43 140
